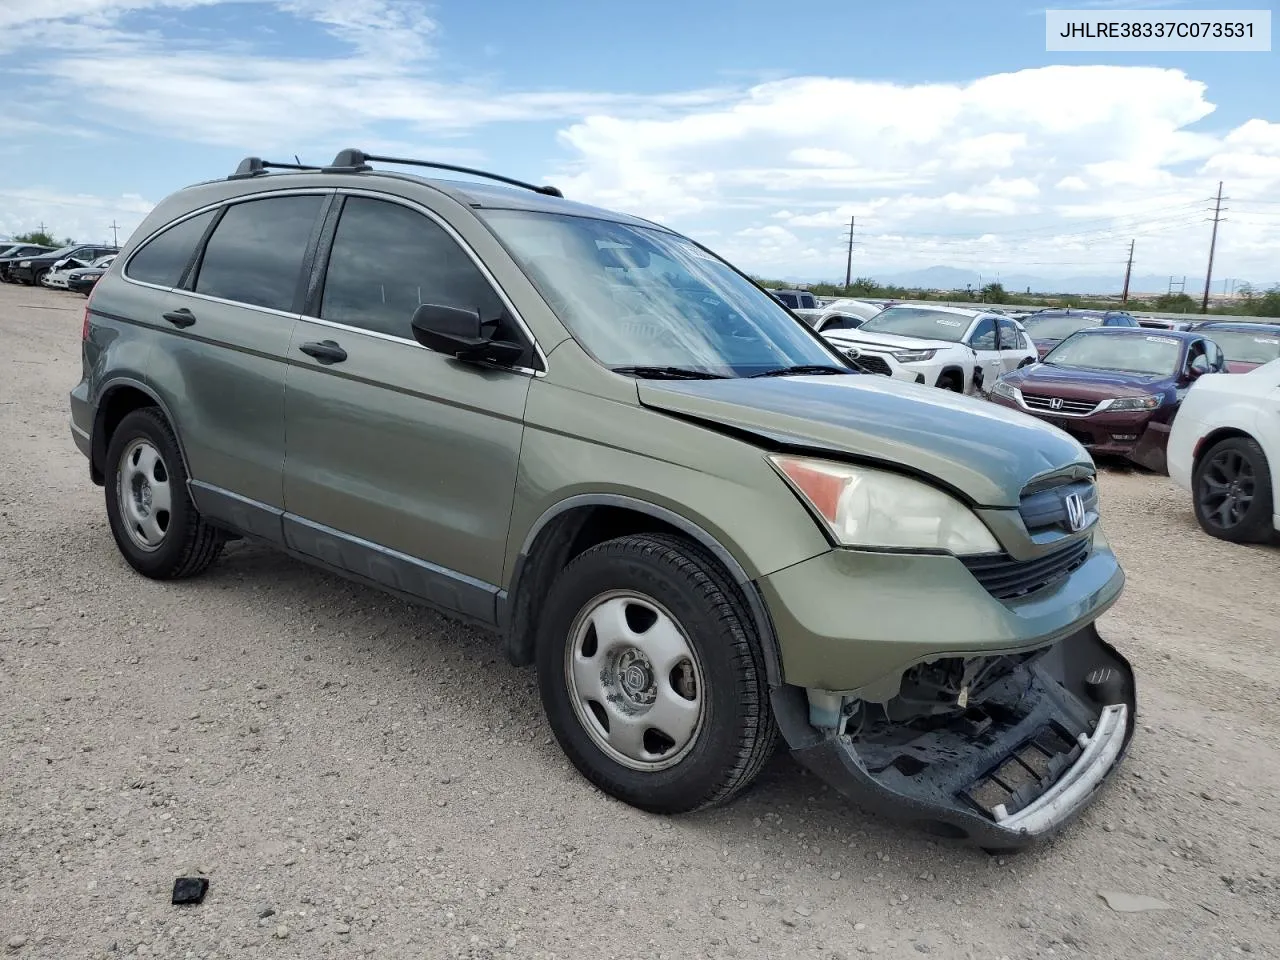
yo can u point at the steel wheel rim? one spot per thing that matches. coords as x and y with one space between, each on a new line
144 495
634 681
1228 485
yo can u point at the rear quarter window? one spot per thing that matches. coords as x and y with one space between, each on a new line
163 259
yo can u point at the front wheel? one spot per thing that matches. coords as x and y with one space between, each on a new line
651 675
1232 486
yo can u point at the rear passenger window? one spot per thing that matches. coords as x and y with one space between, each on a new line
255 253
387 260
162 259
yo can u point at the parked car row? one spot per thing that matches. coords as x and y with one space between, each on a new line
32 268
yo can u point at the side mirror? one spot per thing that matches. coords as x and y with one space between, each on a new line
460 333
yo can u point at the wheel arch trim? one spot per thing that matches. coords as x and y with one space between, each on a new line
755 602
105 390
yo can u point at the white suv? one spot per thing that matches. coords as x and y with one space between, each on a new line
950 347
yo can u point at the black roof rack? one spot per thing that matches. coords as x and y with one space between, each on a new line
256 167
357 161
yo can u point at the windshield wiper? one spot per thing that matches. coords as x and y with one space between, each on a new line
801 369
668 373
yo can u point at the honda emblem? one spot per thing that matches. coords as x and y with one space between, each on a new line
1075 512
1055 403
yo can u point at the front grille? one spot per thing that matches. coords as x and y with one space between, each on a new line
1008 579
872 363
1047 509
1046 404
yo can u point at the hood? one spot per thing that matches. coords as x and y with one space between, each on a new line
1085 384
986 451
892 341
1241 366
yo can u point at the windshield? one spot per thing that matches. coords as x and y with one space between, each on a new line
919 322
1150 355
1057 328
60 252
640 297
1245 346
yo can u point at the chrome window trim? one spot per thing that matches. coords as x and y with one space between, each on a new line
392 338
471 254
198 211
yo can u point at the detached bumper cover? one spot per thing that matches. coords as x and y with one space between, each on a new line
1051 737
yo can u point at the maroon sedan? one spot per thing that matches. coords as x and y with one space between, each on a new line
1115 389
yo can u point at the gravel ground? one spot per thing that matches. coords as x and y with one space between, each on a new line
358 776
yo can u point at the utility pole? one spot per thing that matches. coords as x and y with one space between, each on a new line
848 264
1124 297
115 239
1213 242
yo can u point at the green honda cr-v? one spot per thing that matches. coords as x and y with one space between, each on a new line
590 434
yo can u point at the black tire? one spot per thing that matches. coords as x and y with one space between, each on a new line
736 734
186 544
1232 492
950 381
36 276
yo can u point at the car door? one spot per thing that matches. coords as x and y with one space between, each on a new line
1013 349
220 369
983 341
402 461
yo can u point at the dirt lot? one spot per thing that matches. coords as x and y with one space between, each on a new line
383 782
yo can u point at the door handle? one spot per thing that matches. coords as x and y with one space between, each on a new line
181 318
326 351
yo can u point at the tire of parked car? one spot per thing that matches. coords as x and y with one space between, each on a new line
652 677
1232 484
152 517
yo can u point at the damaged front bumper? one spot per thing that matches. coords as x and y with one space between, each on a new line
1004 766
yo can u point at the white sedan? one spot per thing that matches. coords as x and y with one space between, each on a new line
1224 449
954 348
58 273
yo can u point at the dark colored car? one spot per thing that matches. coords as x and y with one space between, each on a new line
15 252
795 299
82 281
30 269
1115 390
1246 345
1048 328
1164 323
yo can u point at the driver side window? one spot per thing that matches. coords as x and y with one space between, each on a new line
1197 358
984 335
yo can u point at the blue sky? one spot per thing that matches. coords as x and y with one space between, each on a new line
760 128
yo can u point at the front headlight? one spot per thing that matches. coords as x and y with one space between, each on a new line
25 263
913 356
1002 389
1135 403
873 508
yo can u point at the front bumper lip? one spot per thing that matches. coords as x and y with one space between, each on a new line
939 806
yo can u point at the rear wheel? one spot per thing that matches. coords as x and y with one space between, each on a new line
1232 486
652 677
154 522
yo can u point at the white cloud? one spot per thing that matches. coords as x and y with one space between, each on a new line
1054 165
